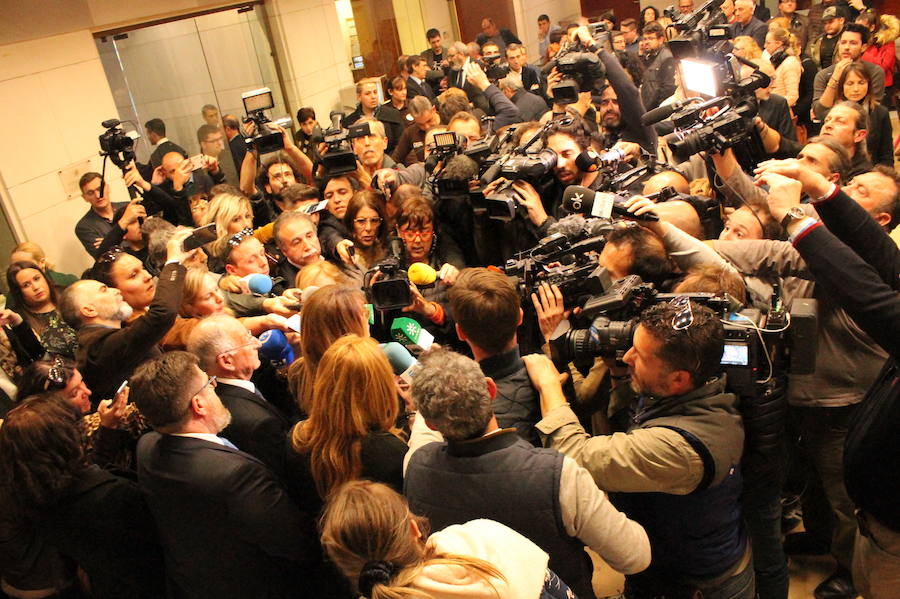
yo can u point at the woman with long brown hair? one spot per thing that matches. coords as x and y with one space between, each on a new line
386 552
330 312
349 433
34 298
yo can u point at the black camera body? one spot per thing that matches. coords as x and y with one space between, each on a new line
494 67
265 139
569 260
338 158
726 130
116 144
503 202
390 290
580 70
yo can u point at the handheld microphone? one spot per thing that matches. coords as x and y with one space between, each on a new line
410 334
582 200
421 274
402 362
590 161
256 284
275 348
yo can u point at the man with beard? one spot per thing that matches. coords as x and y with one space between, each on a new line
227 527
107 354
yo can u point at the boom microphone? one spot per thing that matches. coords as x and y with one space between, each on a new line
582 200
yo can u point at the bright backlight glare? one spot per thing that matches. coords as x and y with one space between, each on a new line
699 78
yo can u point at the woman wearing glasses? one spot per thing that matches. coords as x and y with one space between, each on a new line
366 220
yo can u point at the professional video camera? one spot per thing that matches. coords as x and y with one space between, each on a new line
567 258
712 79
116 144
494 66
522 163
756 344
339 158
580 68
387 284
265 139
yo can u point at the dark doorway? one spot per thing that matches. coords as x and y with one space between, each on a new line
622 10
469 13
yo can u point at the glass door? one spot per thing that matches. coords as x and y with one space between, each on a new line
191 73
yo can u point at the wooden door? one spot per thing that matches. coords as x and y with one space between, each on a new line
469 13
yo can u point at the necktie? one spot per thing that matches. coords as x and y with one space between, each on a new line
228 443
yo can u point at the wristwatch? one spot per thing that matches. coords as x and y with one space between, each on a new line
795 213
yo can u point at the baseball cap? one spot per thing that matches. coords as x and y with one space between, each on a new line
831 12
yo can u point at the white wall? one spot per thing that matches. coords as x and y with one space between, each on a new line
527 12
54 93
436 13
312 53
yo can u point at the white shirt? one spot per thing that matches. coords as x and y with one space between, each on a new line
205 436
238 383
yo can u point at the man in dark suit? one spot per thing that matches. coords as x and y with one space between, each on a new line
236 144
156 134
226 525
519 69
416 84
226 350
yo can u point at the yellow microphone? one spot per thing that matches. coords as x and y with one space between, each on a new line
421 275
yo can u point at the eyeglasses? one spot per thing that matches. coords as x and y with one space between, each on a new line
210 381
253 341
363 221
684 318
239 237
412 234
110 255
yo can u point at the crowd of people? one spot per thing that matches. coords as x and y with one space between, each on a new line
355 366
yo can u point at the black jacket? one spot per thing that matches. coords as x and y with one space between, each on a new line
227 527
257 427
414 89
103 523
517 403
859 265
163 149
107 356
659 78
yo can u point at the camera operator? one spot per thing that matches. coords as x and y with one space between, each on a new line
410 147
847 362
859 265
504 111
176 177
677 463
619 109
285 168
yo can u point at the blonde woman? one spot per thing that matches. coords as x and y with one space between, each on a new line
779 46
386 552
232 213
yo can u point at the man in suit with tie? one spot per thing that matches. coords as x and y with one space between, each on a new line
156 134
416 84
226 525
226 350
